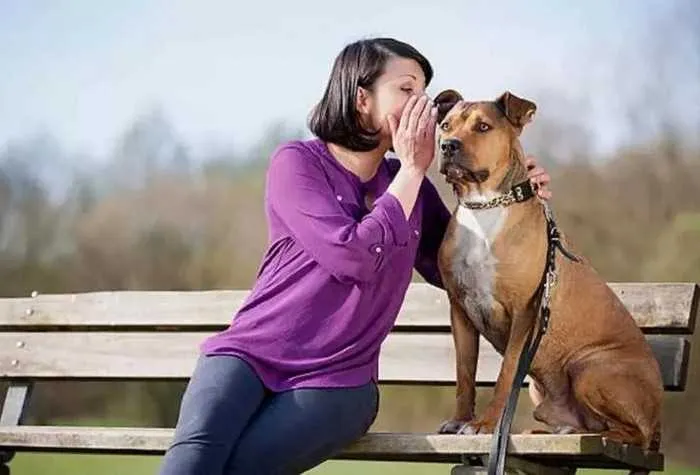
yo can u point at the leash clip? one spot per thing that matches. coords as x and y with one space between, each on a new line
550 282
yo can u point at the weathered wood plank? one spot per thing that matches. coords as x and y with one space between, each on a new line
421 446
657 307
404 358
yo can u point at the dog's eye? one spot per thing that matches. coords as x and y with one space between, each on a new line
483 127
445 125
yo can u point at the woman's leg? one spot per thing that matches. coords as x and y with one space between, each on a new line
297 430
221 397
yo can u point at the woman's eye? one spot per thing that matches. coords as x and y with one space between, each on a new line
483 127
407 90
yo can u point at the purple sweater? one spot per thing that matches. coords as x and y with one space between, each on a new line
335 274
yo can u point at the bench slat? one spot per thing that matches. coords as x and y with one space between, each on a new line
587 449
405 357
657 308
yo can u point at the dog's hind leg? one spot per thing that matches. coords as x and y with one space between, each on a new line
627 405
558 415
555 406
618 397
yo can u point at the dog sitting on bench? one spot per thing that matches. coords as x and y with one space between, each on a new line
594 371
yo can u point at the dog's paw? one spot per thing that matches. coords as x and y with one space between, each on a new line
451 427
477 427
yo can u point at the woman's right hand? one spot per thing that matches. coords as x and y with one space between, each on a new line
413 135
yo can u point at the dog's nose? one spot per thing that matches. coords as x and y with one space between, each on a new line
449 147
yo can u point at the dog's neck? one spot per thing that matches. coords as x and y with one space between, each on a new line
516 172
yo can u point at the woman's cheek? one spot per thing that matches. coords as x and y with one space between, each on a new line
398 106
394 106
396 110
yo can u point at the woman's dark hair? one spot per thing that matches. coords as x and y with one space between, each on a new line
359 64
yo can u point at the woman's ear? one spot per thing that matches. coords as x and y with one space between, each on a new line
363 106
362 101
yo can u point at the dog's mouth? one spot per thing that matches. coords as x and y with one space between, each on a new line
456 174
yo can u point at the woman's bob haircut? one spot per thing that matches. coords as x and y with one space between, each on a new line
359 64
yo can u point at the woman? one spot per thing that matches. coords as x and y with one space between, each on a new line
293 380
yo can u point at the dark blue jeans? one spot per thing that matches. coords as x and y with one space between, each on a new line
229 423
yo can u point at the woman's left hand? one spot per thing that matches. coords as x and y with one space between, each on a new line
538 177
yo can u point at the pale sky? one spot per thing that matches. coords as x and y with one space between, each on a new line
222 70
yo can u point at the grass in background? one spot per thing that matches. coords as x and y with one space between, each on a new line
68 464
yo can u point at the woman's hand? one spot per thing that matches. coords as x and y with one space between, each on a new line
538 177
414 135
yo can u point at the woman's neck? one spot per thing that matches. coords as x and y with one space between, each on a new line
363 164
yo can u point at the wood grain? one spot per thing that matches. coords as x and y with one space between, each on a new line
404 358
657 308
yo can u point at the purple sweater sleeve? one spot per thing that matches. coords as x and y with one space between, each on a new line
300 195
436 217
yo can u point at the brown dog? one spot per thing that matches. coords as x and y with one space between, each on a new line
594 371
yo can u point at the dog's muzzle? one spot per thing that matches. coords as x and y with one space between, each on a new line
452 164
450 147
450 151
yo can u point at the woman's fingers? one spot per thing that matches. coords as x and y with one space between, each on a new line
536 172
530 162
538 177
424 119
407 109
393 125
432 123
414 135
415 115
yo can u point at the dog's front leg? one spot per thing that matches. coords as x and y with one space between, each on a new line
466 340
486 423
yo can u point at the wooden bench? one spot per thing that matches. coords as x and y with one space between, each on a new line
155 336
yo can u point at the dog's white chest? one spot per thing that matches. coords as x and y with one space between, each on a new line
474 265
483 224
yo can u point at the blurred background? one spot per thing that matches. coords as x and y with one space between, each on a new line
135 135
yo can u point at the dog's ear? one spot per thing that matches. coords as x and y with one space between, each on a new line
517 110
446 101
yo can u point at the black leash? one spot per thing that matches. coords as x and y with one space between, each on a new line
517 194
497 455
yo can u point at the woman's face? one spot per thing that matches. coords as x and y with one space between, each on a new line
401 79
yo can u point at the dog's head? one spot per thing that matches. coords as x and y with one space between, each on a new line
476 139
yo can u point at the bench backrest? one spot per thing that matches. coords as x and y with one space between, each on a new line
155 335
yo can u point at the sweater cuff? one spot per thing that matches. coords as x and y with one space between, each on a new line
395 218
